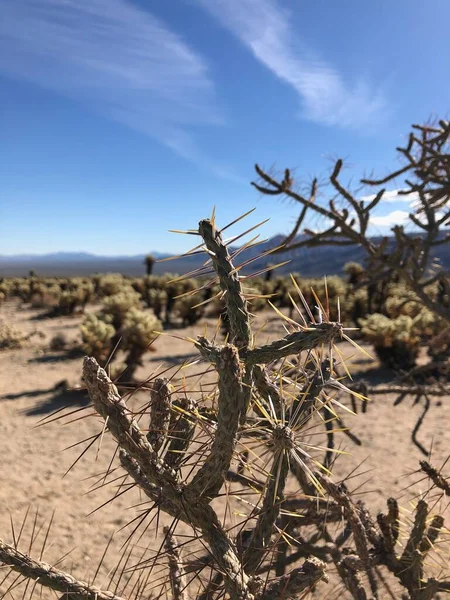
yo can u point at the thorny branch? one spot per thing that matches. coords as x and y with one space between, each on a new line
427 183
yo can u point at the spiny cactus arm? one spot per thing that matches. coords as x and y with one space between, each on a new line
182 429
417 533
348 572
432 534
160 405
390 527
209 351
232 396
293 343
269 512
123 427
203 517
235 302
288 587
411 561
177 576
436 476
418 288
268 391
180 502
134 471
340 496
49 577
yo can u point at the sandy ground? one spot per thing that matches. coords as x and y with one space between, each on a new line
33 461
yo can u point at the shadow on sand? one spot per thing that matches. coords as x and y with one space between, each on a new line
61 397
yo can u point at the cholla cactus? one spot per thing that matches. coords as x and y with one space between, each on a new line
149 262
12 338
354 306
402 301
69 302
396 341
48 296
139 330
97 334
188 310
355 272
108 285
23 290
118 305
5 287
155 299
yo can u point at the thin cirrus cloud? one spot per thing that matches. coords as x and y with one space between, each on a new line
263 26
117 60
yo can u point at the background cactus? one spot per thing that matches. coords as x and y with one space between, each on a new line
396 341
118 305
139 330
97 335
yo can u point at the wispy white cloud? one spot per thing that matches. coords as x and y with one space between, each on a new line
116 59
395 196
265 28
396 217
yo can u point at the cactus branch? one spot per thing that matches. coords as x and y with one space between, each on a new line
235 302
176 569
294 343
232 394
49 577
288 587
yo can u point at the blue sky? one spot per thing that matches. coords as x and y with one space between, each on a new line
121 119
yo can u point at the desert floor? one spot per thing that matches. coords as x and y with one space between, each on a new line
34 460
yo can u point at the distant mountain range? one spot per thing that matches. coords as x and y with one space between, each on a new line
309 262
